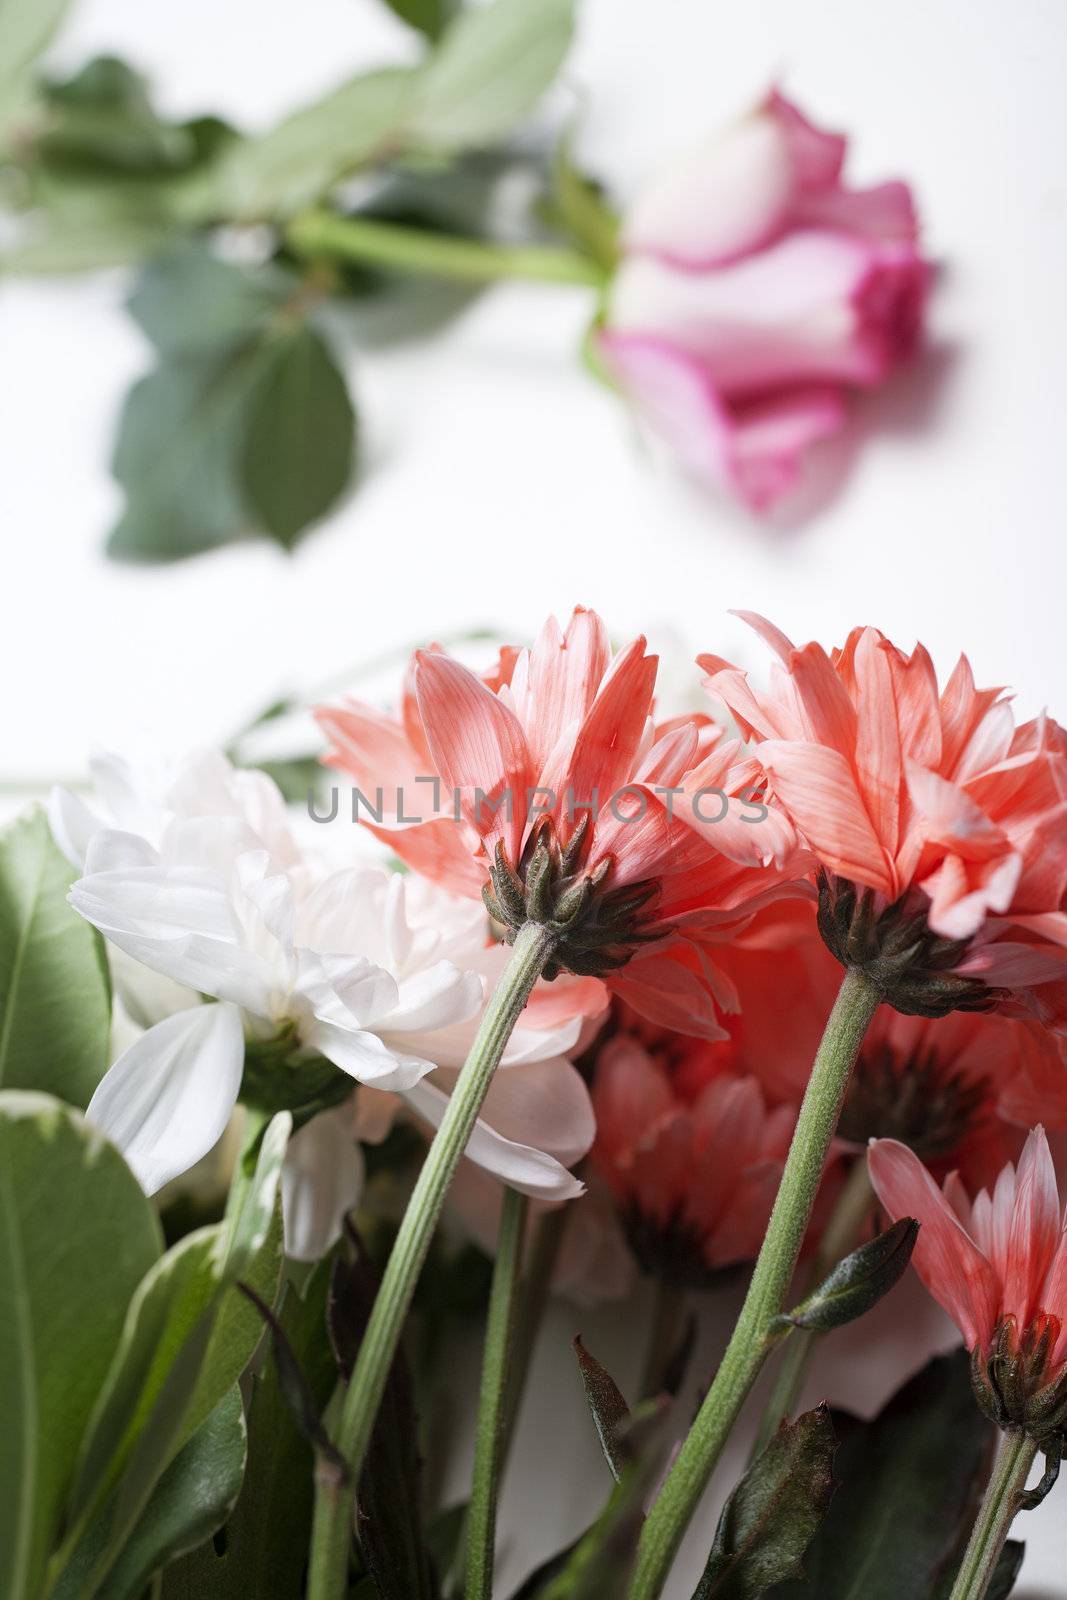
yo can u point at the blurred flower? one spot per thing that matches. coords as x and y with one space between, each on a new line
957 1090
939 826
362 970
690 1150
567 810
756 290
998 1266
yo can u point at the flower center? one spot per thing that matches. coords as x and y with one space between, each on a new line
597 928
919 1099
896 950
1016 1383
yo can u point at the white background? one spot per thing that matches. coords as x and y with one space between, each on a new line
502 484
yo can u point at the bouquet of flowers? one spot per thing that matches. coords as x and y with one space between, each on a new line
549 993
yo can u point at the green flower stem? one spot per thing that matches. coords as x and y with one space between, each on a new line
751 1341
335 1502
1011 1469
537 1276
843 1232
493 1404
536 1284
368 242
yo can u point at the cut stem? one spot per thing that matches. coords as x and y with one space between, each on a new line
334 1502
1007 1482
497 1371
842 1234
368 242
751 1341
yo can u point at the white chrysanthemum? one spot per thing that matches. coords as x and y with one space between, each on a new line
384 976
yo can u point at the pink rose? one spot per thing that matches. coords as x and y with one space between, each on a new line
755 292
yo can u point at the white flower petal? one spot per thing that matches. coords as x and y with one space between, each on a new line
530 1171
545 1104
322 1180
178 921
167 1099
73 824
436 998
364 1057
346 991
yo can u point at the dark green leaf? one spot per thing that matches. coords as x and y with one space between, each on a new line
76 1236
103 118
910 1482
389 1516
55 994
771 1517
427 16
263 1554
156 1397
189 300
296 1390
607 1405
489 71
859 1281
192 1499
178 452
602 1561
184 1298
245 426
1007 1570
537 1582
298 442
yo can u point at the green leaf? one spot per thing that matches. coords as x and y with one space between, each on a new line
607 1405
188 300
298 161
429 17
580 209
157 1397
772 1516
859 1281
171 1303
245 426
190 1502
602 1560
85 245
26 31
389 1498
910 1482
76 1236
252 1208
1008 1567
298 442
491 68
265 1551
55 994
179 445
103 118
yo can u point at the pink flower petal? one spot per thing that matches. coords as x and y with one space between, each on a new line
954 1270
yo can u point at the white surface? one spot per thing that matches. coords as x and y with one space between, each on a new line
504 484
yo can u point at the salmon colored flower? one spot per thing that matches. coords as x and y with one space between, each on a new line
548 788
690 1150
998 1266
957 1090
756 292
940 827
